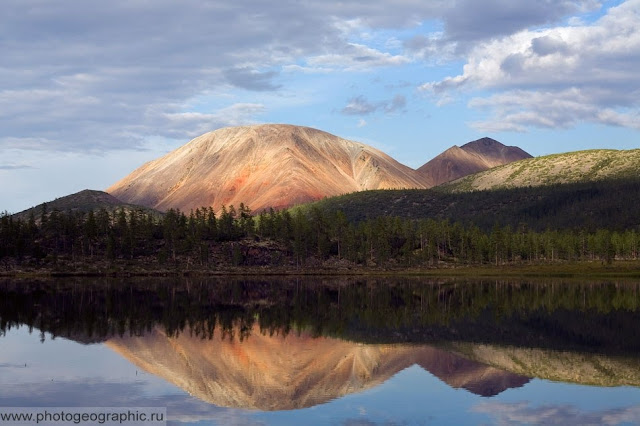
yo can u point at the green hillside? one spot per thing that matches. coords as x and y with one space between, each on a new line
570 167
610 203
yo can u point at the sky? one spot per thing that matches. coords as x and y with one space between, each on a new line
91 90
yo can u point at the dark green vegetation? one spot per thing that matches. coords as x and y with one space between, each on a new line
589 317
586 206
95 241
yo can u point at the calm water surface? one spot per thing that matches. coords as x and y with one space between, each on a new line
310 351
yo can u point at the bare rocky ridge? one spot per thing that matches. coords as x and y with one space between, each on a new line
275 372
472 157
262 166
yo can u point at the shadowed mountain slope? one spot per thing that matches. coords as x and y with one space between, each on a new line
583 205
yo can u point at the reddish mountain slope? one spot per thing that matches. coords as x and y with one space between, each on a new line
261 166
473 157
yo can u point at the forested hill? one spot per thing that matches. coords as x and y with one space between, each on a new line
606 204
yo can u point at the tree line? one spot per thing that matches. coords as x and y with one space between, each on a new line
293 238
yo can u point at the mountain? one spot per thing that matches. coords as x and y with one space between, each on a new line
495 153
570 167
83 201
473 157
262 166
276 372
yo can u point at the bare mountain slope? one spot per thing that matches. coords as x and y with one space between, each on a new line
262 166
472 157
494 153
570 167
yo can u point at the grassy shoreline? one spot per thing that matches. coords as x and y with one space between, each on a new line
580 269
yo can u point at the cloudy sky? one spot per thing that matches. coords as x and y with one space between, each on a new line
91 90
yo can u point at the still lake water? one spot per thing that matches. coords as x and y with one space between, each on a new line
312 351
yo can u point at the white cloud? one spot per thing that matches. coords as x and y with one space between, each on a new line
357 57
471 20
192 124
557 77
359 105
105 76
517 110
306 70
13 166
575 21
251 79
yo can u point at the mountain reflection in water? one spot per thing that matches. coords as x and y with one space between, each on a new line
286 344
276 372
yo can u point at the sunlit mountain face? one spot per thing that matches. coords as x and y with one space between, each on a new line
262 166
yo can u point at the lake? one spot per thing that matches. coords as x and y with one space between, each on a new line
343 351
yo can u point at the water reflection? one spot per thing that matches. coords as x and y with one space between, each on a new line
287 344
276 372
592 369
591 317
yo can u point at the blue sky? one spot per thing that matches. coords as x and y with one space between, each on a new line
91 90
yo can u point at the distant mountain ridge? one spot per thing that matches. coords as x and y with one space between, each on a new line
277 165
473 157
82 201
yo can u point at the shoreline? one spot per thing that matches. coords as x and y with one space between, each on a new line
578 269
